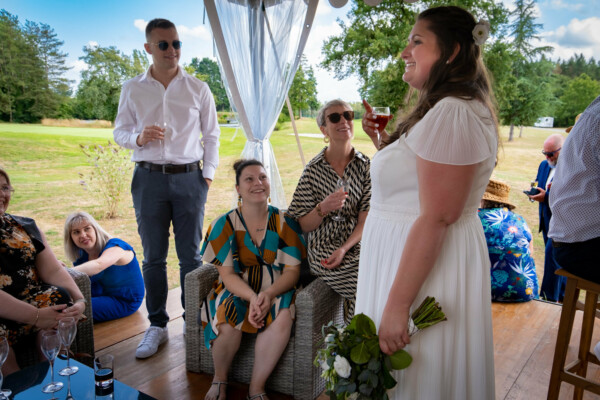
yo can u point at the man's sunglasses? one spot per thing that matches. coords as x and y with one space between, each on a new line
163 46
335 117
550 153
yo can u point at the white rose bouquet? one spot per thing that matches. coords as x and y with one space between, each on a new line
353 364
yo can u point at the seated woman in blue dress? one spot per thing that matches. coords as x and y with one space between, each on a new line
510 246
257 250
117 283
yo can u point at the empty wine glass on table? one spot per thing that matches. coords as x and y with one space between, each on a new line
67 329
3 354
50 348
382 117
342 184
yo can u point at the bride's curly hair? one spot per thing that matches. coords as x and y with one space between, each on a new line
465 77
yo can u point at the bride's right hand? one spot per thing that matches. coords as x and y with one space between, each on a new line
368 121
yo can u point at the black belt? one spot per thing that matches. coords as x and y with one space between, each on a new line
170 168
559 244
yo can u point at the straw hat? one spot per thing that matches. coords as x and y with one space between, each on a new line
571 127
498 191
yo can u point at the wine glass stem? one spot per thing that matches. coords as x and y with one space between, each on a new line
52 371
68 358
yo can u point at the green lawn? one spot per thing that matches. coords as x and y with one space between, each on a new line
44 165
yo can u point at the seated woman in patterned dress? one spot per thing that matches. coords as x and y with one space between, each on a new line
116 279
334 245
257 250
510 246
36 291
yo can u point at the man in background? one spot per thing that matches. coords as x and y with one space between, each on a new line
553 286
168 118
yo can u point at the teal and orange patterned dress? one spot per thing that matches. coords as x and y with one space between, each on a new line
228 243
513 268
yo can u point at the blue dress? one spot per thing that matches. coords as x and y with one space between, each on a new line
513 269
118 291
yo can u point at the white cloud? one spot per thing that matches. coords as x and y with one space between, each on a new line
199 32
140 24
579 33
91 44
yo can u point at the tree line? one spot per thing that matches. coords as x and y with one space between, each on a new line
527 84
33 83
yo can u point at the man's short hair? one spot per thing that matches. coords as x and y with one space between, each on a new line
158 23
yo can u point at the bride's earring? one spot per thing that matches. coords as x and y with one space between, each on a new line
239 200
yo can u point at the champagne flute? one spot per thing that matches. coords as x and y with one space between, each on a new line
67 329
50 348
164 127
3 354
382 117
342 184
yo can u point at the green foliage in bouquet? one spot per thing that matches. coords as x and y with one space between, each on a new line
353 364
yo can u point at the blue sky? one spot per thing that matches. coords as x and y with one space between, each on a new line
570 26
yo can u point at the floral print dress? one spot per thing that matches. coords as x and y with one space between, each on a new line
20 243
513 269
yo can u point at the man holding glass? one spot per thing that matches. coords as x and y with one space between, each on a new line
168 118
553 286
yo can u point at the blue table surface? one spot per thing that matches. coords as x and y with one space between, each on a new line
27 384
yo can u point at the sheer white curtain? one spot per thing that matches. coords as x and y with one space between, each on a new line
259 44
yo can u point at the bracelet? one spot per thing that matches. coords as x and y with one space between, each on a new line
320 213
37 317
81 300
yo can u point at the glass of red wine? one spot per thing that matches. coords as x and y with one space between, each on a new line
382 117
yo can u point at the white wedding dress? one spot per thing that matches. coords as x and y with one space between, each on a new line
454 359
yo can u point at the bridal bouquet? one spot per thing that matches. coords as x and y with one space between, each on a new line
353 364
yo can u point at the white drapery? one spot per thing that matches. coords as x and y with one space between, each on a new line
259 45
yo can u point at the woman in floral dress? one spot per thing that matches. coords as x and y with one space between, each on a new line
510 246
36 291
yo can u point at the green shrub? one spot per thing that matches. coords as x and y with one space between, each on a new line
110 174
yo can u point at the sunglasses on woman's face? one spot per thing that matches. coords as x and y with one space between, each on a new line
163 46
336 117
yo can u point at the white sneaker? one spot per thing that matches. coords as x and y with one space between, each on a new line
154 337
597 350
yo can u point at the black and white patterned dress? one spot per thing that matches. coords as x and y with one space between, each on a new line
318 181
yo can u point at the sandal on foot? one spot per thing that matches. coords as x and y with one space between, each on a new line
258 396
219 383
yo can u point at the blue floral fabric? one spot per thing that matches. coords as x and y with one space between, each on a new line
513 269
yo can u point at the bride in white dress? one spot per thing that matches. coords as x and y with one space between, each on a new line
422 236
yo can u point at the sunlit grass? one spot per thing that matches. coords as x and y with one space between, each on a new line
44 164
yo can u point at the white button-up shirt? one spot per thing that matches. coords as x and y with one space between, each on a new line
187 110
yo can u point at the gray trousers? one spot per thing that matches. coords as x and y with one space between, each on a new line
160 199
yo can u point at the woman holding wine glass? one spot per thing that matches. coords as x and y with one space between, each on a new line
331 203
36 291
423 236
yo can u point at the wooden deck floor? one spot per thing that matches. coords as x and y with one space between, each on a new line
524 339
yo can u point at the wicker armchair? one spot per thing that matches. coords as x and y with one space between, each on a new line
84 341
295 373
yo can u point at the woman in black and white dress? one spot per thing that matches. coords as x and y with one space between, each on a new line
334 246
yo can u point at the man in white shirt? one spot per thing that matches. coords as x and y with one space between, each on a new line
575 199
168 118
